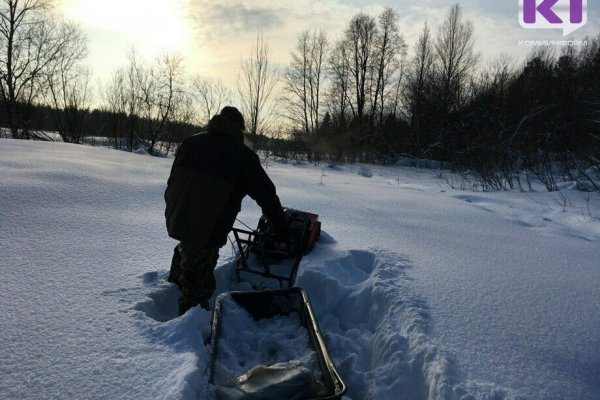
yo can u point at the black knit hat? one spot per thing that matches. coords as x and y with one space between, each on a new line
234 115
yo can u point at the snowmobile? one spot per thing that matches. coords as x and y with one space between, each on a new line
273 257
263 256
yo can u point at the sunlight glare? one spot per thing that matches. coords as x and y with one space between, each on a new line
151 26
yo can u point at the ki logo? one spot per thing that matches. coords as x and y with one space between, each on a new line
568 15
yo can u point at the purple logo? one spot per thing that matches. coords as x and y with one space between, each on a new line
568 15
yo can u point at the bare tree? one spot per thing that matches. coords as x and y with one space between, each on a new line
211 94
455 58
367 68
339 96
418 80
160 88
181 124
390 50
353 66
115 103
122 98
30 42
360 39
132 101
67 84
68 95
318 52
256 85
144 99
303 81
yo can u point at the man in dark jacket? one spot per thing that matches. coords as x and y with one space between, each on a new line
211 174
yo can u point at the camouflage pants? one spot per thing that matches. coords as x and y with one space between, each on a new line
196 278
175 267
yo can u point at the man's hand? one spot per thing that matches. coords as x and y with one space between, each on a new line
280 229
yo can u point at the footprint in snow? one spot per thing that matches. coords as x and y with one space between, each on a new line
161 303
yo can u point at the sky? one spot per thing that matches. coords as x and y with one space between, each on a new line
213 37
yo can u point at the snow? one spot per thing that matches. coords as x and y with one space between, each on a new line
420 291
245 343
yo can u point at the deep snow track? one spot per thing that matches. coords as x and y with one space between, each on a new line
374 324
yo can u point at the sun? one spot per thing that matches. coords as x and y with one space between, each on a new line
151 27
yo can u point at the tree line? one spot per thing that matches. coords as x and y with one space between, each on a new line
361 96
45 86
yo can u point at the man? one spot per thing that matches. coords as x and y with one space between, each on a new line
211 174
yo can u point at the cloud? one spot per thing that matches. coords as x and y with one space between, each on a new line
234 18
225 31
242 19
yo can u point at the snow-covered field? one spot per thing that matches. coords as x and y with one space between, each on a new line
421 291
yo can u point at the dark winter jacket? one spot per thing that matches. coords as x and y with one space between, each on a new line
211 174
